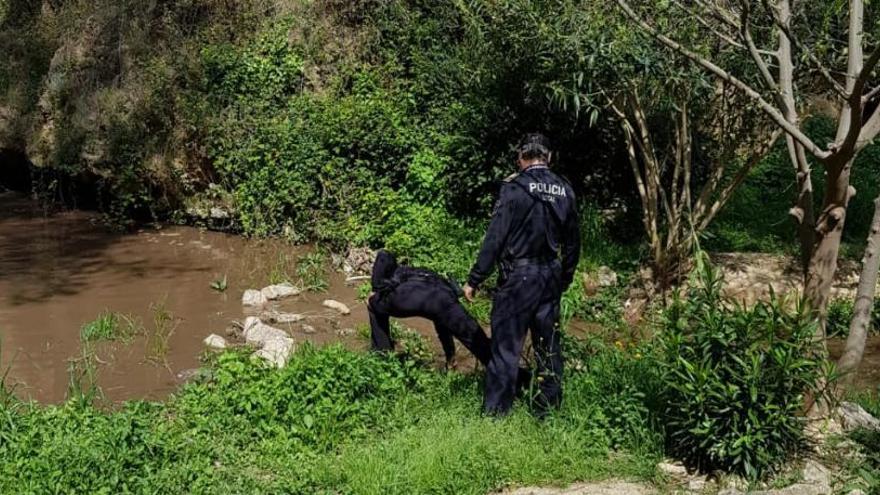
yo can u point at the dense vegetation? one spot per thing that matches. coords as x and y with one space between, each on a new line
385 123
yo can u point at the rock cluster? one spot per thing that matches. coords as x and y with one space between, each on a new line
748 277
273 344
358 261
257 298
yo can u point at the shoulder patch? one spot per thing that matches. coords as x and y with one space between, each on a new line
511 177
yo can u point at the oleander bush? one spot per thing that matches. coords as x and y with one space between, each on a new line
736 379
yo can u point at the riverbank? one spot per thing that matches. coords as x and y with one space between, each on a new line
59 271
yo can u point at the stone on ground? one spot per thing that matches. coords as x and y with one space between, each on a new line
853 416
274 345
276 351
359 261
252 297
278 317
215 341
258 333
673 469
309 329
279 291
606 277
816 481
601 488
338 306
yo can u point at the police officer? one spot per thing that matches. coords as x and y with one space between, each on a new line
403 291
534 238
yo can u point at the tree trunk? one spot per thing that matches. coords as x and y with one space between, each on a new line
829 227
858 327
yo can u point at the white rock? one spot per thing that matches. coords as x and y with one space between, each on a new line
308 329
218 213
253 297
276 351
606 277
258 333
338 306
277 317
697 484
816 474
856 491
215 341
853 416
278 291
674 469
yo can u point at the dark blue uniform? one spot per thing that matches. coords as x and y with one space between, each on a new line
403 291
534 238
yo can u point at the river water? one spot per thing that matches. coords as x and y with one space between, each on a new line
61 270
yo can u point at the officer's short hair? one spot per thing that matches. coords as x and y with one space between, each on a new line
534 146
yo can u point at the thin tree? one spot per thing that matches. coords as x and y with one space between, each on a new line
676 204
772 88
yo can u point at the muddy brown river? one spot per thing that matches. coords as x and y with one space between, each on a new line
61 270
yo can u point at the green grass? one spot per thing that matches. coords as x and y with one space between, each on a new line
111 326
332 421
312 273
159 337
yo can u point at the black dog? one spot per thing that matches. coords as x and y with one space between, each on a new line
402 291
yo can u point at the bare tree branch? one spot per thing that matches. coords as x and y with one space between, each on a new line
769 109
719 13
870 94
869 130
786 30
741 175
854 132
745 32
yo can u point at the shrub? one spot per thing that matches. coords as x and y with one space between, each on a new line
735 378
840 314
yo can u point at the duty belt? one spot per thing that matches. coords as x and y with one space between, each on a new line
520 262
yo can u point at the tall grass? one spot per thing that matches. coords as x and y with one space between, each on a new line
159 338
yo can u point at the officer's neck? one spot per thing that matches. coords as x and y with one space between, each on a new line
533 165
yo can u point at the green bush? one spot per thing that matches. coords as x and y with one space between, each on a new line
840 313
735 378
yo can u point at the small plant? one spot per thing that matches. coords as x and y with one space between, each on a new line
282 270
82 387
104 327
364 291
736 378
311 272
220 284
111 326
159 340
411 344
7 391
840 314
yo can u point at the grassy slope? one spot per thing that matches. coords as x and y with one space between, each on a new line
332 421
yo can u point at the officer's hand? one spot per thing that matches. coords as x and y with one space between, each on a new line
469 292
